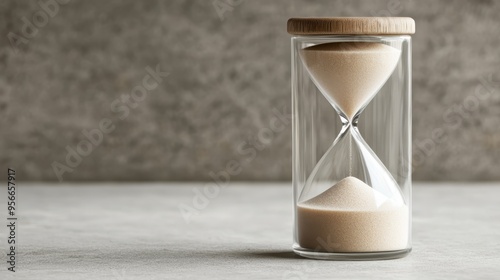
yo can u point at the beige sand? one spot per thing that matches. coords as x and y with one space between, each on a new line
352 217
350 73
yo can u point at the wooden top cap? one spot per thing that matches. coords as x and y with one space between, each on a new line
351 26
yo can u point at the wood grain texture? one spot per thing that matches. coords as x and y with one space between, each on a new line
351 26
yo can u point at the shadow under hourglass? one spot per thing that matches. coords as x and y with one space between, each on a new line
264 254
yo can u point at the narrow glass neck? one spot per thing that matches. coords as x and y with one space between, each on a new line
349 122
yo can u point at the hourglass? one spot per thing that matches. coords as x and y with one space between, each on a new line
352 193
350 201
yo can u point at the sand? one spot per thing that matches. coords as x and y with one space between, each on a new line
350 73
352 217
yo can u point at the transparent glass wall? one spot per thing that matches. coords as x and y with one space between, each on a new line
351 102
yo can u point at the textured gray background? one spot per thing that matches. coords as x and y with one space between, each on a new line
226 76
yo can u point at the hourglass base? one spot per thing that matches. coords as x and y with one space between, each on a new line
356 256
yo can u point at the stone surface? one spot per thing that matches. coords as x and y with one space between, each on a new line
136 231
228 70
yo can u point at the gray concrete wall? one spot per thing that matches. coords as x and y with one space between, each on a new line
227 71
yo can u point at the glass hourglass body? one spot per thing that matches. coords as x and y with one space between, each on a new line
351 101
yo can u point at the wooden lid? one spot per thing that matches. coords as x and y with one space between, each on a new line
351 26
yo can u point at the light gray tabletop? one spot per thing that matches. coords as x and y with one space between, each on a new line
137 231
